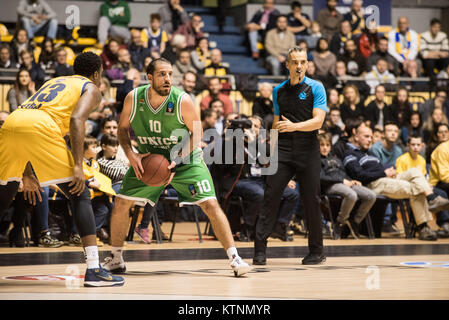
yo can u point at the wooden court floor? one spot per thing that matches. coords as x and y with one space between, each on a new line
386 268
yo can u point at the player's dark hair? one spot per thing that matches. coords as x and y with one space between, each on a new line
109 140
152 66
86 64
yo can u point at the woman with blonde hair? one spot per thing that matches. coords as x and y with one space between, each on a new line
351 107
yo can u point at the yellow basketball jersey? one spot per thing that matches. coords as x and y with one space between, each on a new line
58 97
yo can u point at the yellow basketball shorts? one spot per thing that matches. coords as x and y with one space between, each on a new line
32 135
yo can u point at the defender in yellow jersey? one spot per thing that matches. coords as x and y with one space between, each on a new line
32 138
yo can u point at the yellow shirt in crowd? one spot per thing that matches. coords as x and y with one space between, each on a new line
406 162
439 169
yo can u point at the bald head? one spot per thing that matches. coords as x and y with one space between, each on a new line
403 24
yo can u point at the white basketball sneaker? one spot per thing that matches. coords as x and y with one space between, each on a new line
115 266
239 266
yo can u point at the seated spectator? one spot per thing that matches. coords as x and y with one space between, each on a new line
324 59
355 62
413 128
115 16
412 71
298 22
434 48
155 37
216 67
351 124
172 16
362 165
440 135
387 150
35 15
378 112
342 81
355 17
123 65
368 40
36 73
263 106
181 67
19 43
444 76
188 84
333 98
403 42
379 74
133 80
109 56
304 46
137 50
105 109
351 107
337 44
277 43
47 57
335 124
201 55
146 62
23 89
315 35
329 19
382 52
6 61
62 68
208 120
192 31
177 44
262 21
335 181
401 107
215 93
440 101
218 107
311 70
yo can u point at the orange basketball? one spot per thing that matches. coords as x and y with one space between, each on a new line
156 171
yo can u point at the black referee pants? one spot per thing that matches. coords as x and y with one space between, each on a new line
306 165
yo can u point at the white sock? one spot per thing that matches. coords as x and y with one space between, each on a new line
92 260
117 253
232 253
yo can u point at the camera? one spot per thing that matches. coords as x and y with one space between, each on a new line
240 124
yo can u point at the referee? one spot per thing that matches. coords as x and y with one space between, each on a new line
299 111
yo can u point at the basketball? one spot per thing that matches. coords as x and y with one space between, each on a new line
156 171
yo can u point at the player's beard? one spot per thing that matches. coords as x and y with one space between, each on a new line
163 91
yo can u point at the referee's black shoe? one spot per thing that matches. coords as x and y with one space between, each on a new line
260 259
313 258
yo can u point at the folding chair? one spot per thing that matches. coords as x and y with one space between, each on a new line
134 214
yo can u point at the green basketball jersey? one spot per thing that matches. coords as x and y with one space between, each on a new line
155 128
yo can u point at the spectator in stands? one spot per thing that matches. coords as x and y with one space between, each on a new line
335 181
218 107
355 17
298 22
155 37
192 31
208 120
216 67
172 16
379 74
335 124
188 84
444 76
411 70
105 109
118 71
342 80
62 68
304 46
215 93
36 73
413 128
324 59
137 50
19 43
430 125
47 57
201 55
311 70
314 36
439 135
382 52
333 98
368 40
177 43
401 107
23 89
352 106
277 43
355 62
107 100
262 21
378 112
403 42
109 56
337 44
5 58
181 67
329 19
133 80
362 165
115 16
440 101
387 150
35 15
434 48
263 106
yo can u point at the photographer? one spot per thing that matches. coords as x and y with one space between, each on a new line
245 179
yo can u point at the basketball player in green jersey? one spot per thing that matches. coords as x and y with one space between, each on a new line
158 113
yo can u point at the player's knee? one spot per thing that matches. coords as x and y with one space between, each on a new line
122 206
210 207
